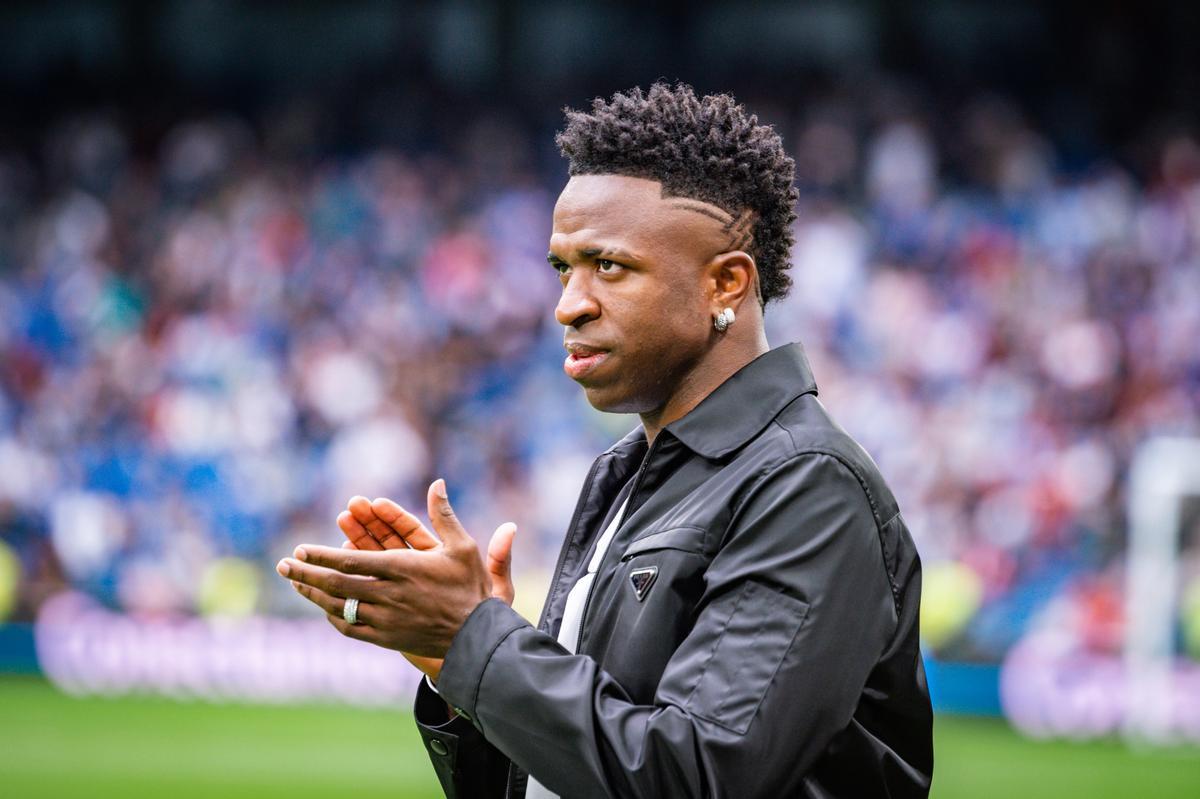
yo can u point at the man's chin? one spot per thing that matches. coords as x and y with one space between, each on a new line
609 399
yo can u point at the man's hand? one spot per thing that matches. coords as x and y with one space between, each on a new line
383 524
414 599
365 529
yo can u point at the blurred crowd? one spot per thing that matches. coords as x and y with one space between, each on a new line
208 349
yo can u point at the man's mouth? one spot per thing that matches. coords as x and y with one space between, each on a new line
582 360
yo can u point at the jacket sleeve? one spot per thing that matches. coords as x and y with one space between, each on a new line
796 610
466 764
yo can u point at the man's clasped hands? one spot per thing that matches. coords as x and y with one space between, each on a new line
415 586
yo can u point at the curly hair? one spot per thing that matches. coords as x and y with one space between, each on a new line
702 148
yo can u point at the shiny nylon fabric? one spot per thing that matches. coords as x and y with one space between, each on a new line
776 653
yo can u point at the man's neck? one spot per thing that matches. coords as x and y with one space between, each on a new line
701 382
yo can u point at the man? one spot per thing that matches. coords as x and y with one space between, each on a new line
734 610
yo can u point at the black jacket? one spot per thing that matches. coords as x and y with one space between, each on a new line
773 653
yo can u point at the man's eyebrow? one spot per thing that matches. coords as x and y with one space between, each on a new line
593 252
603 252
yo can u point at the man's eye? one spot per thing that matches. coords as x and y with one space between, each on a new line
562 267
606 266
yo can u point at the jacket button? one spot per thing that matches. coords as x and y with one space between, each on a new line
438 748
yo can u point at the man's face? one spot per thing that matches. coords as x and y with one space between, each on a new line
632 266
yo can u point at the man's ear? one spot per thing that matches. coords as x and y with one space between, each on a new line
731 277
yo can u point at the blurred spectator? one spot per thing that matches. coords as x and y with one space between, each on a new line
206 353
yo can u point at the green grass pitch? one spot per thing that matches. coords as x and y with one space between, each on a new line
56 746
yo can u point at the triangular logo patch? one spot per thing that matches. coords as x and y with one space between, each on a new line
642 579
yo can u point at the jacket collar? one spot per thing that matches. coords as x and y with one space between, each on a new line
632 442
738 409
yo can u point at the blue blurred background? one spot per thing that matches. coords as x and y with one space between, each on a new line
257 258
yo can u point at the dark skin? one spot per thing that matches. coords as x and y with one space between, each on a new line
383 528
643 278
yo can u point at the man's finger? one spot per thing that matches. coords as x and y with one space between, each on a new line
348 561
355 532
381 534
398 522
330 581
331 604
361 632
499 562
442 515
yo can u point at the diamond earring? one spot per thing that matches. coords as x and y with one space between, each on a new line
724 320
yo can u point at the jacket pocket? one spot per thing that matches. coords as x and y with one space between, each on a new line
685 539
758 624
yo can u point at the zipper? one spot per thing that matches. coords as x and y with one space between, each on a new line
587 602
572 532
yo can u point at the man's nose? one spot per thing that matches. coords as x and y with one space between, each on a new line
577 306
